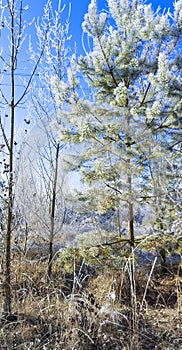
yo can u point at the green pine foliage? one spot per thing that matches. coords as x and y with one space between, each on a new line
129 126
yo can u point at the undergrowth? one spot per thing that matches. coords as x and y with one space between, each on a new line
95 299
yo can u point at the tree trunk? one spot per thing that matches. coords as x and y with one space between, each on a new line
53 207
131 235
7 281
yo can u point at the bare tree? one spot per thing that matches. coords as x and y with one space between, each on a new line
39 189
45 170
13 29
55 62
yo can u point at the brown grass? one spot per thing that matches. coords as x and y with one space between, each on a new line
84 311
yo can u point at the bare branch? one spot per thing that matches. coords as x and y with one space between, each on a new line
33 72
4 135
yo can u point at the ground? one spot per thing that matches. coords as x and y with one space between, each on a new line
86 306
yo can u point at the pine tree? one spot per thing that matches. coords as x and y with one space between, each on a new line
131 121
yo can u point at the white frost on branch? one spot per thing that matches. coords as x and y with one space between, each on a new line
94 24
121 95
163 70
178 14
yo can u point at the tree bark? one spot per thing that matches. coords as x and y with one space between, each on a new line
53 206
7 281
131 234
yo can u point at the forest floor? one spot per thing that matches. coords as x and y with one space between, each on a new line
88 308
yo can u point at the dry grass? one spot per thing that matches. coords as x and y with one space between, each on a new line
114 309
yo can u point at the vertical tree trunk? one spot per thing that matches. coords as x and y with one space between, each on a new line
131 234
53 207
7 281
26 238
